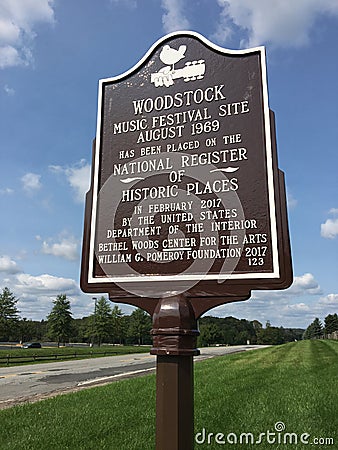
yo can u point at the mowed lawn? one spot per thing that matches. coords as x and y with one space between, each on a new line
261 395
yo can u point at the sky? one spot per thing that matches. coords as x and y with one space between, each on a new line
52 54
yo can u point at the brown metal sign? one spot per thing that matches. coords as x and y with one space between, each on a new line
187 206
186 194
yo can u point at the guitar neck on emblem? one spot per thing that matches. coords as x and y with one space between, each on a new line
193 70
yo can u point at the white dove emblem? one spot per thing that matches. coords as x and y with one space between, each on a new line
193 70
170 56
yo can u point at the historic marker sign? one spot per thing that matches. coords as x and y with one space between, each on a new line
186 209
185 182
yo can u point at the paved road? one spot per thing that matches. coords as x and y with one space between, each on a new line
32 382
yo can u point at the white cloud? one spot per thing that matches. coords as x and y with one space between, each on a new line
329 229
297 307
173 18
44 284
8 265
279 23
293 307
9 56
65 247
9 91
78 176
37 305
291 201
79 179
330 299
18 20
9 31
224 28
6 191
304 284
36 293
31 182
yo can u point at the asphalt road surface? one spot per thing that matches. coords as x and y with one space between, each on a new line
33 382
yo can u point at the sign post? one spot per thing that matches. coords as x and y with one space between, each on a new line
175 337
186 209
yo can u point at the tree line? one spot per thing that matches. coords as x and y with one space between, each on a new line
232 331
108 324
318 330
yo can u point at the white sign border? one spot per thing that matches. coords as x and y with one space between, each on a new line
269 165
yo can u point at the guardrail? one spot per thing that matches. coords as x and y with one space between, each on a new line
10 359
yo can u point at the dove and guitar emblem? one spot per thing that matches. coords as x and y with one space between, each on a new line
193 70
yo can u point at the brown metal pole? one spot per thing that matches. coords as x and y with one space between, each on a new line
174 342
174 403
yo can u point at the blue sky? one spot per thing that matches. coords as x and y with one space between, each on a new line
52 54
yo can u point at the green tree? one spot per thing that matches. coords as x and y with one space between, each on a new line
60 320
209 334
331 323
256 325
9 314
119 330
28 330
314 330
270 335
81 329
228 330
317 328
101 320
139 326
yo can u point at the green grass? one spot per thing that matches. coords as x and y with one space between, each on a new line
22 356
295 384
